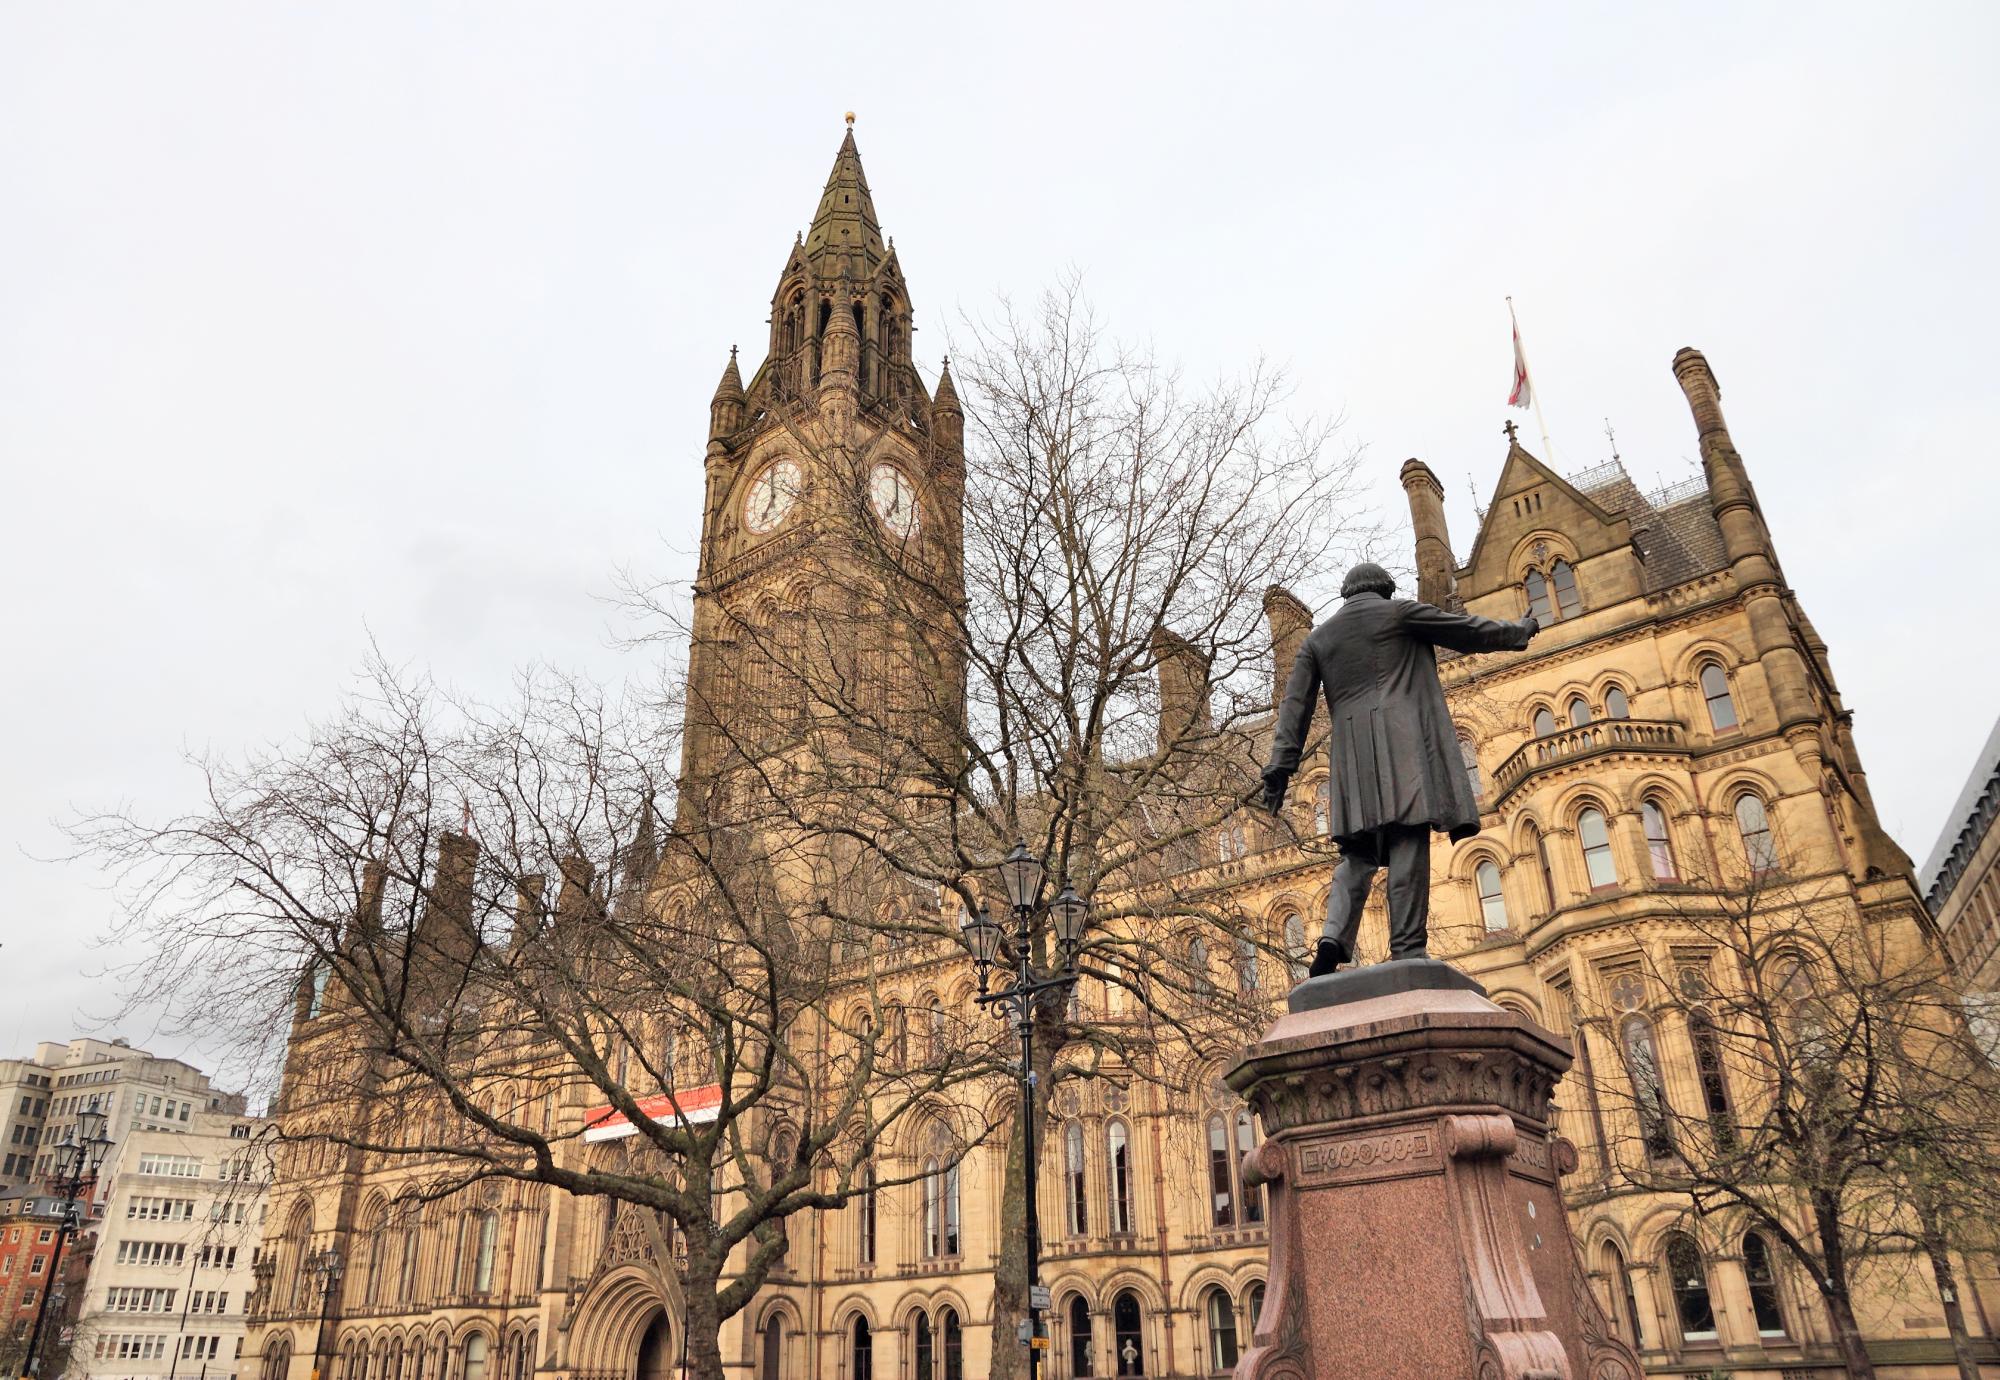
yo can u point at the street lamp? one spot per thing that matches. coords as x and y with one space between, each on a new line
325 1267
1021 879
80 1154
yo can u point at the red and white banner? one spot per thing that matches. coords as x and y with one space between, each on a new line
692 1106
1523 394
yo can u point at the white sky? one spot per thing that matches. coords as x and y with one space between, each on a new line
402 318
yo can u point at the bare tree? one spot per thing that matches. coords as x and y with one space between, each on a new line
1838 1107
1076 653
374 904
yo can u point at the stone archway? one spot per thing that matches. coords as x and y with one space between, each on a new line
621 1310
656 1360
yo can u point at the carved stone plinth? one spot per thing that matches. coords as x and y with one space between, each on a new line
1416 1228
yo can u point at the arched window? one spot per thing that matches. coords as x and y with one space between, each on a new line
933 1210
1076 1197
1247 976
486 1230
1221 1331
1468 754
1295 945
1537 589
1624 1307
1255 1309
1540 847
1708 1071
1246 1141
773 1367
1579 712
1688 1276
953 1337
1128 1343
1081 1362
1545 722
1564 580
936 1030
1649 1090
1232 840
473 1361
316 1003
1759 850
1322 807
1222 1196
1492 905
1659 843
865 1218
1197 952
861 1351
926 1357
1715 690
1118 1163
1616 706
1759 1273
1595 839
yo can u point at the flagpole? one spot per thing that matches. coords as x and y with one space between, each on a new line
1534 393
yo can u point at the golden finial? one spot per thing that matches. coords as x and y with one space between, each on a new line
850 119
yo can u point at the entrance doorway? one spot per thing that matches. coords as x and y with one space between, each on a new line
656 1350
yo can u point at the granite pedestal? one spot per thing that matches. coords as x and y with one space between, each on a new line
1417 1232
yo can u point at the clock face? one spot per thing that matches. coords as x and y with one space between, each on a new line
772 496
895 499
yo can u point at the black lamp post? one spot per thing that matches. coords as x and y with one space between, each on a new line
1021 878
78 1156
325 1266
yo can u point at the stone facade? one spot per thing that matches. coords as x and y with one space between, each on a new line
1677 718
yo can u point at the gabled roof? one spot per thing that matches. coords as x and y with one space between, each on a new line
1522 471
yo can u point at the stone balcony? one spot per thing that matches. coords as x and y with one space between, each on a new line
1569 746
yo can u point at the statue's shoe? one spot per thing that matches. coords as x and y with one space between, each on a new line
1327 957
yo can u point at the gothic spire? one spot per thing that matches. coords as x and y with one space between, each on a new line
845 233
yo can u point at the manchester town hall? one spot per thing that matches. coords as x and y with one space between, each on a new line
1673 740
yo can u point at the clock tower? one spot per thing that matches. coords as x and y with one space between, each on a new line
830 548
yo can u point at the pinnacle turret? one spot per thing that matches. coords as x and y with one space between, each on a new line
947 396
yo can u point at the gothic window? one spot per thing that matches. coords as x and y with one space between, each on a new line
935 1016
1715 691
1232 840
774 1349
1763 1281
1649 1091
1579 712
316 1003
953 1337
1659 843
1246 1141
940 1210
1081 1363
861 1351
1754 824
1128 1342
1492 905
1255 1306
1540 845
1687 1274
1118 1164
925 1351
1564 580
1538 596
1616 706
1222 1197
864 1218
1468 755
1295 944
1221 1331
1197 952
1322 807
1708 1071
1545 722
486 1236
1624 1307
1075 1194
1247 978
473 1360
1594 836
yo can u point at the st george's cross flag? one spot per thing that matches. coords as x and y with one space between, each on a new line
1523 394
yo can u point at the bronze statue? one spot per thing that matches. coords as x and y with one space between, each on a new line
1397 771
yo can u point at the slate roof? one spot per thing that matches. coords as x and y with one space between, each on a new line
1674 526
1972 814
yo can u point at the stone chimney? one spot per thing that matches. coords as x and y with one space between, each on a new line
576 899
1291 621
1183 670
527 909
1435 583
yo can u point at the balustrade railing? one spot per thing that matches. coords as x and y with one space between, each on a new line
1587 740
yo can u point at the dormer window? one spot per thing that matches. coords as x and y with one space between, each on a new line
1552 593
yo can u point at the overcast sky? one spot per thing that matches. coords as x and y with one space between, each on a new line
323 322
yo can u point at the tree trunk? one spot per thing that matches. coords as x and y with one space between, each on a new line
1009 1360
1954 1312
1835 1289
704 1324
